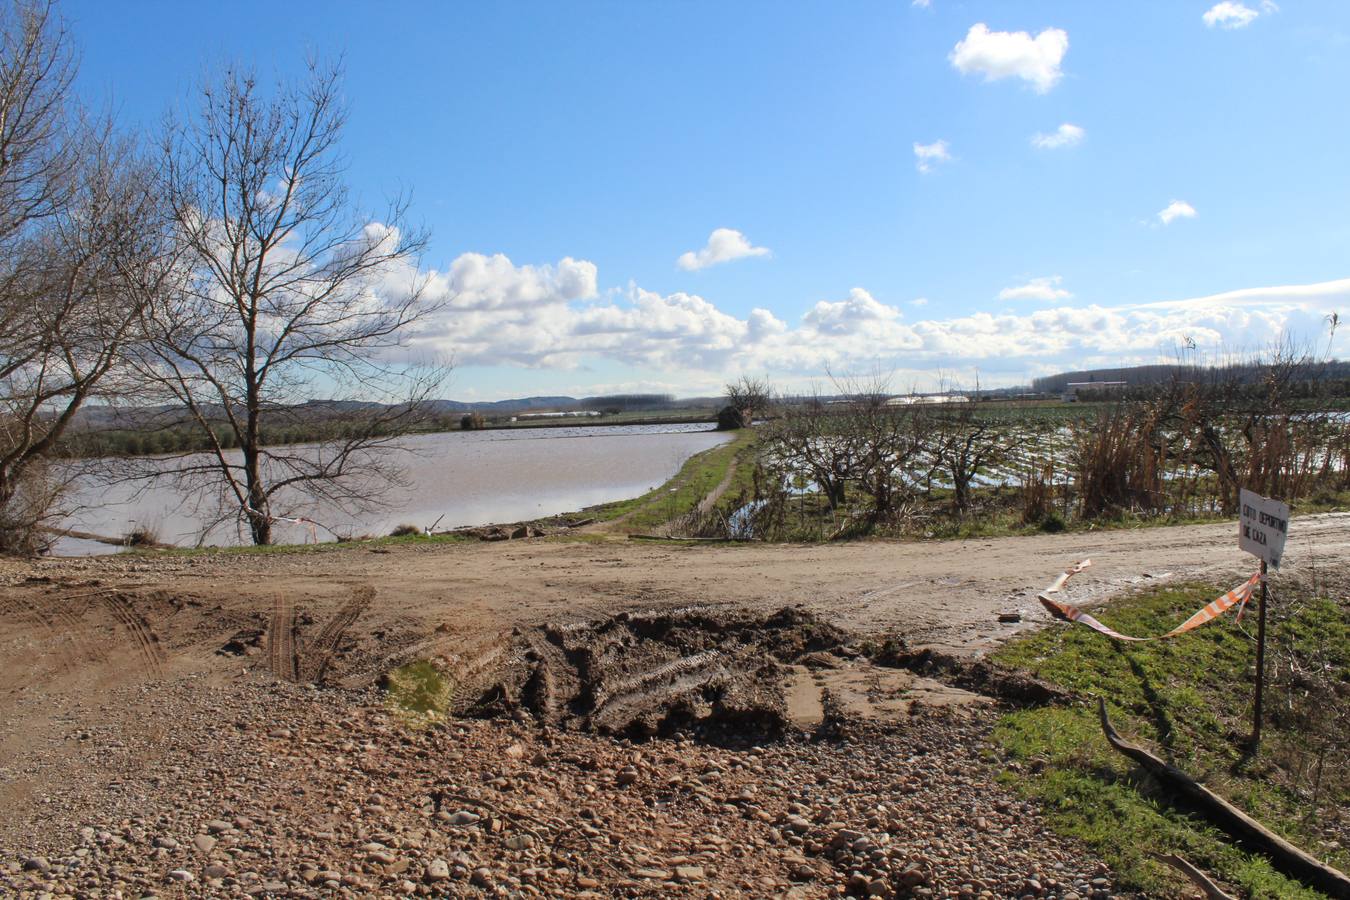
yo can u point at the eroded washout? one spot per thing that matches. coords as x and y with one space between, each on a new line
729 676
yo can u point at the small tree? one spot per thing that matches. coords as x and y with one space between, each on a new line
288 294
744 397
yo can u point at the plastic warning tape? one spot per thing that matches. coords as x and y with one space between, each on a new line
1238 596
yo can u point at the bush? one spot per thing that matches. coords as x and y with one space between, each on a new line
729 418
404 530
1038 497
141 536
1052 523
472 422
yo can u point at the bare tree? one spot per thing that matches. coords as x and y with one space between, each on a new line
859 437
287 294
745 397
79 225
966 442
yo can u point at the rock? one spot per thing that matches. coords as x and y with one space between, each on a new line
217 826
627 775
167 843
463 817
215 870
182 875
437 870
519 842
204 843
656 874
37 864
688 873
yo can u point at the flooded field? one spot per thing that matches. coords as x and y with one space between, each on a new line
461 477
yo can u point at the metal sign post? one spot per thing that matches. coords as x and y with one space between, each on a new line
1260 662
1262 529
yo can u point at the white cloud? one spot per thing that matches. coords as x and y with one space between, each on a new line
724 245
922 4
492 282
1230 14
1177 209
1012 54
497 313
1066 135
919 301
1037 289
926 156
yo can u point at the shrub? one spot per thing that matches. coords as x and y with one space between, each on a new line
404 530
1038 496
472 422
141 536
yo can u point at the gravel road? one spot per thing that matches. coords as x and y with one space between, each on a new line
160 734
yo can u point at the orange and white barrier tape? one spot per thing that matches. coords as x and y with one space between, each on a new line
1238 596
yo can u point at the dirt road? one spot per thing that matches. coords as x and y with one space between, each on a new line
107 665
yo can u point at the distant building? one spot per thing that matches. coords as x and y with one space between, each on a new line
1070 394
931 399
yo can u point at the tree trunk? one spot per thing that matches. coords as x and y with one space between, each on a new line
961 488
259 513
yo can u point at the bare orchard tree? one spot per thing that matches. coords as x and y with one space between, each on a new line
966 441
79 227
287 295
858 437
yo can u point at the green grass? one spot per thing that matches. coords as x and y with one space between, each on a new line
695 480
418 694
1188 699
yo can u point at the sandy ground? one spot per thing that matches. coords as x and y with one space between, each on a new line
84 643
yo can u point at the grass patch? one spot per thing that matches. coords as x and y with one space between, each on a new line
696 479
1190 699
418 694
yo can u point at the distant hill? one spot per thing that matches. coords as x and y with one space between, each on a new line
99 417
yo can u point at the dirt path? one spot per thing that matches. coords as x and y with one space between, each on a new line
946 593
134 686
706 505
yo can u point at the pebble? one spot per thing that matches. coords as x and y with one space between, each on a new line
912 810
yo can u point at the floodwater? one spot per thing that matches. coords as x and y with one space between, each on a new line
462 478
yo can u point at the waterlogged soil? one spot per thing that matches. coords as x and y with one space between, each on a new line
622 719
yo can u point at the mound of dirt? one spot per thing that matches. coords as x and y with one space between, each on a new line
645 674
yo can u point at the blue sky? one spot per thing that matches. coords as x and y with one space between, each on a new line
873 167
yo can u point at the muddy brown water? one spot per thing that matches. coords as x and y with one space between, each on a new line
462 478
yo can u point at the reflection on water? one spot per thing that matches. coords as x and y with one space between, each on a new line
469 477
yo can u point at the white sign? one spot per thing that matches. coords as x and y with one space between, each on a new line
1262 527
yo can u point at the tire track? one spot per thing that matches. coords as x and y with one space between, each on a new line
316 655
147 643
281 638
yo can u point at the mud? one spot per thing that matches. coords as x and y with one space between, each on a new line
980 676
642 674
